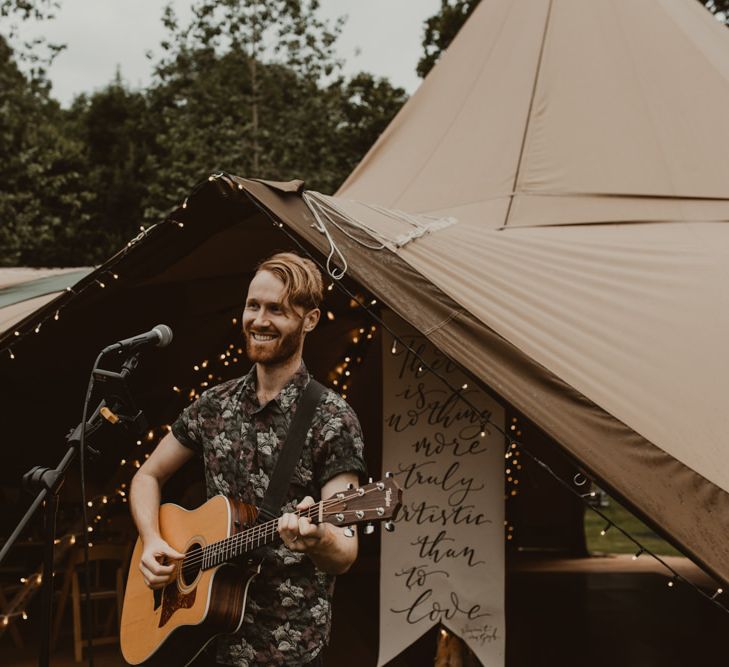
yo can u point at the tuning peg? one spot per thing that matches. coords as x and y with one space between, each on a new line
370 481
389 526
388 474
369 528
348 531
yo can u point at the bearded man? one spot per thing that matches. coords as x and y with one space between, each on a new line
238 428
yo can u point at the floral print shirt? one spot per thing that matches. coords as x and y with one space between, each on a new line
288 612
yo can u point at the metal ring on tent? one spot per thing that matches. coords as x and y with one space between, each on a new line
580 479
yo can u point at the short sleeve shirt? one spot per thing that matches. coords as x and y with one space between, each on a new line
288 611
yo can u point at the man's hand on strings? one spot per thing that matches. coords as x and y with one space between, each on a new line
157 563
299 533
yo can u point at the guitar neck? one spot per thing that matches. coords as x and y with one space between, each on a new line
248 540
378 501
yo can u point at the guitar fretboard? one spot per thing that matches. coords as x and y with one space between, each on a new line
242 543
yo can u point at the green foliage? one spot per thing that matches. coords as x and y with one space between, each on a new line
249 87
440 29
41 175
613 541
37 54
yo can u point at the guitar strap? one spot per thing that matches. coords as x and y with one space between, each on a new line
293 445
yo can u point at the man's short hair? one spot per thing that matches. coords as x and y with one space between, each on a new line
302 279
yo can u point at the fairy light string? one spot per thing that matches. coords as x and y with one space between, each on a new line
17 606
339 379
100 279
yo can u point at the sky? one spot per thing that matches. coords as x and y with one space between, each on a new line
381 36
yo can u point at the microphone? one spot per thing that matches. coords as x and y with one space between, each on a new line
161 336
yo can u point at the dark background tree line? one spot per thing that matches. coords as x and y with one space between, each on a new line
251 87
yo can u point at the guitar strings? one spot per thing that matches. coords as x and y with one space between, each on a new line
263 531
256 533
253 537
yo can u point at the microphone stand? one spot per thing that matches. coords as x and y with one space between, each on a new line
47 482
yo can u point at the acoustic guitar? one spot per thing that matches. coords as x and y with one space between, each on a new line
207 595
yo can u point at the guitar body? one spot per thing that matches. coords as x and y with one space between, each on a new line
207 596
172 625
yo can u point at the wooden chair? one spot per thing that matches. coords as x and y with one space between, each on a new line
108 564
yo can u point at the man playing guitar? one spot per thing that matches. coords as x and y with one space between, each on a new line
238 429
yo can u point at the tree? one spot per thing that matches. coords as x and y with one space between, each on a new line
440 29
364 108
117 131
37 54
242 88
248 87
42 189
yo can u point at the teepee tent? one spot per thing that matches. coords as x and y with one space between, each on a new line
549 209
578 146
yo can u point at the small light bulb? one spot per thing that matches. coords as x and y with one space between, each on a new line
55 317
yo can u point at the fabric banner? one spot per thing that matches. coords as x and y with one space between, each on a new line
444 564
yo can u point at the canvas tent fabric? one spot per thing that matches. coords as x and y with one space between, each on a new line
576 144
584 280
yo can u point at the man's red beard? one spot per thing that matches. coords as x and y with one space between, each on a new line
275 352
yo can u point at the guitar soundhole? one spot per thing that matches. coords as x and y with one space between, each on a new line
192 564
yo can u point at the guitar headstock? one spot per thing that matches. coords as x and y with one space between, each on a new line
376 501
